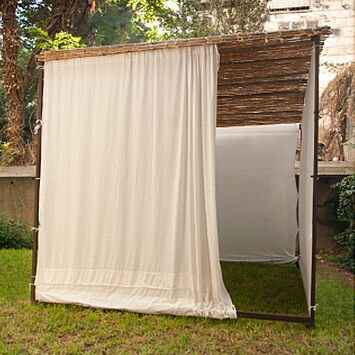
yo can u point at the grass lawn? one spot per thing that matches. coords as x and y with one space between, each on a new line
268 288
38 329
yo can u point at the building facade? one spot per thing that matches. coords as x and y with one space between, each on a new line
339 48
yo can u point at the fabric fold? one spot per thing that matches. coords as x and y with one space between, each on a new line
127 196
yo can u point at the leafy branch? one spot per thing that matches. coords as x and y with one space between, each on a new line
61 40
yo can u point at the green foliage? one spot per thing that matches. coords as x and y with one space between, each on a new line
334 67
346 214
349 143
238 15
165 20
34 38
61 40
189 18
14 235
111 24
114 22
8 154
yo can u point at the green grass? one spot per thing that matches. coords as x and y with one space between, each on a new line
268 288
38 329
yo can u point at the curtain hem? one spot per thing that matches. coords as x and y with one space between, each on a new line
110 298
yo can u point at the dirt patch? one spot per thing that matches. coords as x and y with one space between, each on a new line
335 271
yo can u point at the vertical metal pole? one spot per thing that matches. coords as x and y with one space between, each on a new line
37 185
315 178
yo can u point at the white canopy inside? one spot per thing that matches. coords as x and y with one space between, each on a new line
257 193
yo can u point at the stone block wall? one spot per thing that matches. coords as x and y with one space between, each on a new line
17 198
338 14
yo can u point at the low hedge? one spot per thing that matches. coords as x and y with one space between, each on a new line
14 235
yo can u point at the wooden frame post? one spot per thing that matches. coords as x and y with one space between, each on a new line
315 179
307 320
37 185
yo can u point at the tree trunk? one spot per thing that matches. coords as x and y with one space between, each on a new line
14 83
12 80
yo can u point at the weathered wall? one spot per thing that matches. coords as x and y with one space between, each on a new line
339 48
17 193
17 198
338 14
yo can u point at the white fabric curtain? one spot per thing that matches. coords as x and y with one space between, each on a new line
256 193
306 184
127 196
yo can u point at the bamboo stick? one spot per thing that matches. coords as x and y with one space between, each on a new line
224 42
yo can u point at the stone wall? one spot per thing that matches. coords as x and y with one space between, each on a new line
17 193
339 48
338 14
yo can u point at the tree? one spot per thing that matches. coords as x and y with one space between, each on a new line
112 24
33 25
19 55
230 16
193 18
27 26
13 81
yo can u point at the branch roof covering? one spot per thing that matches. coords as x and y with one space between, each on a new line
262 77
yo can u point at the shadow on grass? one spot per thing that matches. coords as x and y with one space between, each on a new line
268 288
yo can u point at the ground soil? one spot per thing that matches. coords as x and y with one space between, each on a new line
335 271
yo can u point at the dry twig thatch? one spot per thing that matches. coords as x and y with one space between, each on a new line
337 109
262 77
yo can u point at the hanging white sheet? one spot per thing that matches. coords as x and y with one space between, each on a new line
256 192
306 184
127 196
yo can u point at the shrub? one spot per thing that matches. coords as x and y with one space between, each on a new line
7 154
14 235
345 212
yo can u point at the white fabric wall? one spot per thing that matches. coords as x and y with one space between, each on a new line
306 185
256 193
127 196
